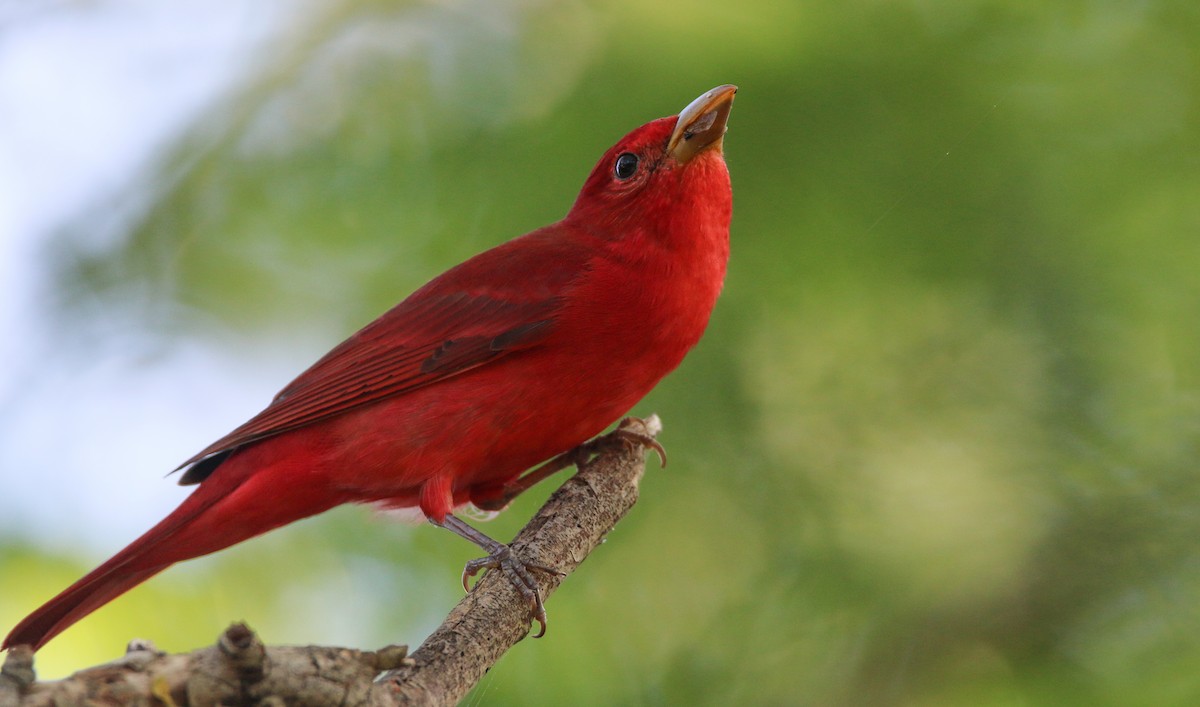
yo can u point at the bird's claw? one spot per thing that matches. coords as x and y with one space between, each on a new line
632 432
519 575
633 438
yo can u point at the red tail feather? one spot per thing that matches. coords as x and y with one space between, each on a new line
103 585
229 507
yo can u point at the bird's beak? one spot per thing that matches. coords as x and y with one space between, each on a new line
701 125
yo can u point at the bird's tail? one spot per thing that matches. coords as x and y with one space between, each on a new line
226 509
77 601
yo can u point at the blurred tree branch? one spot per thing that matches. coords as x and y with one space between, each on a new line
492 618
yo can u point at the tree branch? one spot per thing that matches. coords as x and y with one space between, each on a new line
486 623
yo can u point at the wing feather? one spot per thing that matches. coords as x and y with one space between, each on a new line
500 302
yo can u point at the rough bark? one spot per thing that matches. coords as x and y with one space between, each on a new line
240 670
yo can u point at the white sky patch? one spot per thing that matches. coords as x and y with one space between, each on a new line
89 92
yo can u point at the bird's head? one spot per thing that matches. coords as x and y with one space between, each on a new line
669 168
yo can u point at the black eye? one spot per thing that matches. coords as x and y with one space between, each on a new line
626 165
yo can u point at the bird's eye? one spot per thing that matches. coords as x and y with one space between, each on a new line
626 165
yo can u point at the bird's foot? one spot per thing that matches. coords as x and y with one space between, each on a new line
632 432
519 574
501 557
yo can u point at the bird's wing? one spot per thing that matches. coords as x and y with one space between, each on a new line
504 300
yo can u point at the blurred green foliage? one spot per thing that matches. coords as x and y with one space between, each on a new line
939 445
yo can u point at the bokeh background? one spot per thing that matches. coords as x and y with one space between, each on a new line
938 447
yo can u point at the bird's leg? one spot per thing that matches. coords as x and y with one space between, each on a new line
632 431
500 556
518 486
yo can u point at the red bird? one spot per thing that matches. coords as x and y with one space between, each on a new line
519 354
